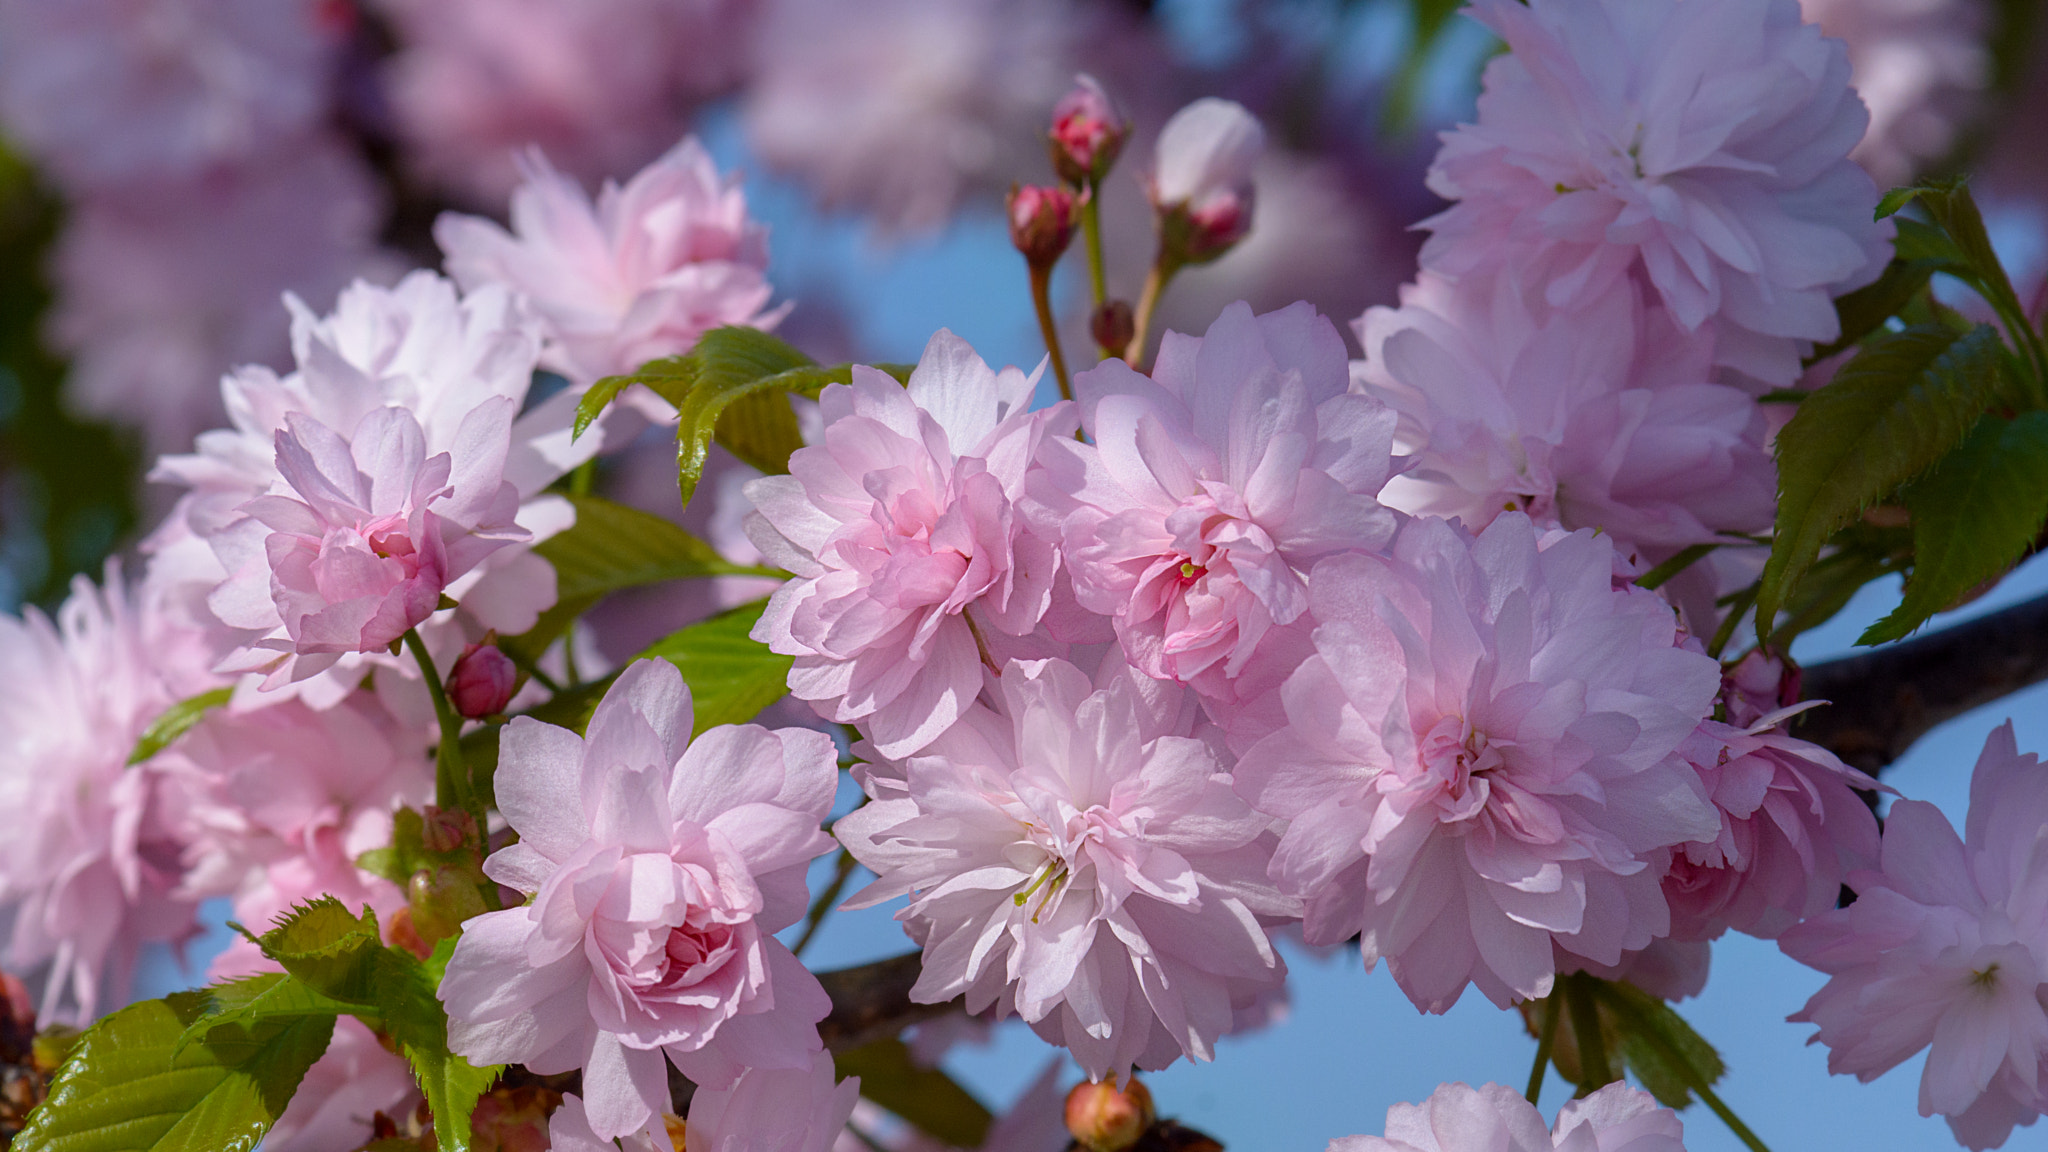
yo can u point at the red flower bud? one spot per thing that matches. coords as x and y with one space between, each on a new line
1042 222
1112 326
482 681
1105 1118
1087 133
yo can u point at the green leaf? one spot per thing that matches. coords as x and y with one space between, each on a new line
733 362
129 1086
1888 415
731 677
612 546
1664 1052
251 1003
1866 309
669 378
175 722
926 1097
1855 556
760 428
1891 202
328 949
1973 517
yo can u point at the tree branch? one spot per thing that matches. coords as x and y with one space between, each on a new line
872 1001
1886 699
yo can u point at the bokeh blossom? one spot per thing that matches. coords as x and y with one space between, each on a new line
1919 65
1493 1118
1480 760
1078 858
910 555
1946 949
660 867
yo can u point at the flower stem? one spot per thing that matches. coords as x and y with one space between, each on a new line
1163 270
1594 1071
842 869
1041 298
1091 237
451 780
1553 1007
1735 1125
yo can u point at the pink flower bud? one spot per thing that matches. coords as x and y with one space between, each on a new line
1202 181
482 681
1087 133
1042 222
446 829
1112 325
1105 1118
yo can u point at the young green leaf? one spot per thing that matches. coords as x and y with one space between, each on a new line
130 1086
175 722
1973 517
669 378
1888 416
328 949
415 1019
1670 1059
1866 309
612 546
257 1001
926 1097
731 676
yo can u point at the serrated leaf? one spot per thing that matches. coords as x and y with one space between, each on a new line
175 722
612 546
255 1001
415 1019
760 428
1854 557
1672 1061
731 677
1891 202
128 1086
1888 415
1973 517
328 948
1867 308
926 1097
668 378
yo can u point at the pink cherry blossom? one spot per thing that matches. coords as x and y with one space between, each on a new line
1078 858
89 868
1493 1118
369 534
602 85
161 284
900 108
1480 761
910 554
1698 146
117 91
1792 830
774 1110
1599 416
1946 949
569 1131
653 265
1213 486
660 866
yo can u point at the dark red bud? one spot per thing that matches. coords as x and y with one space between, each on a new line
1112 326
482 682
1087 134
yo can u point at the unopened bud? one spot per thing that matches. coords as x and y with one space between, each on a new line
482 681
447 829
1087 133
1042 222
1112 326
441 899
1105 1118
1202 184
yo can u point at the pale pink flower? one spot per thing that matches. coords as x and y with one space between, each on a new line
90 865
1946 948
1481 761
602 85
1203 167
773 1110
1667 969
1792 830
898 525
1700 146
118 91
163 285
1078 858
900 108
653 265
1493 1118
660 867
1919 65
1598 416
1213 486
368 535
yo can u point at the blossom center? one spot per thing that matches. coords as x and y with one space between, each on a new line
1457 760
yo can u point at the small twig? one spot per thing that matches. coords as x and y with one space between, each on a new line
1553 1007
1041 299
842 868
1162 271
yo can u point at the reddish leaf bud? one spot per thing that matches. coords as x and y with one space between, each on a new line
1042 222
441 899
1112 326
1105 1118
482 681
1087 133
447 829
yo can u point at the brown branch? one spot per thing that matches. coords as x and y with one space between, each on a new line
872 1001
1886 699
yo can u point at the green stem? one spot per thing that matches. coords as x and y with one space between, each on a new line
1594 1071
1735 1125
1553 1007
1041 299
1156 280
1091 238
842 869
452 786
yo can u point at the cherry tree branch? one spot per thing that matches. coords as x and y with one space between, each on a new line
1886 699
872 1001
